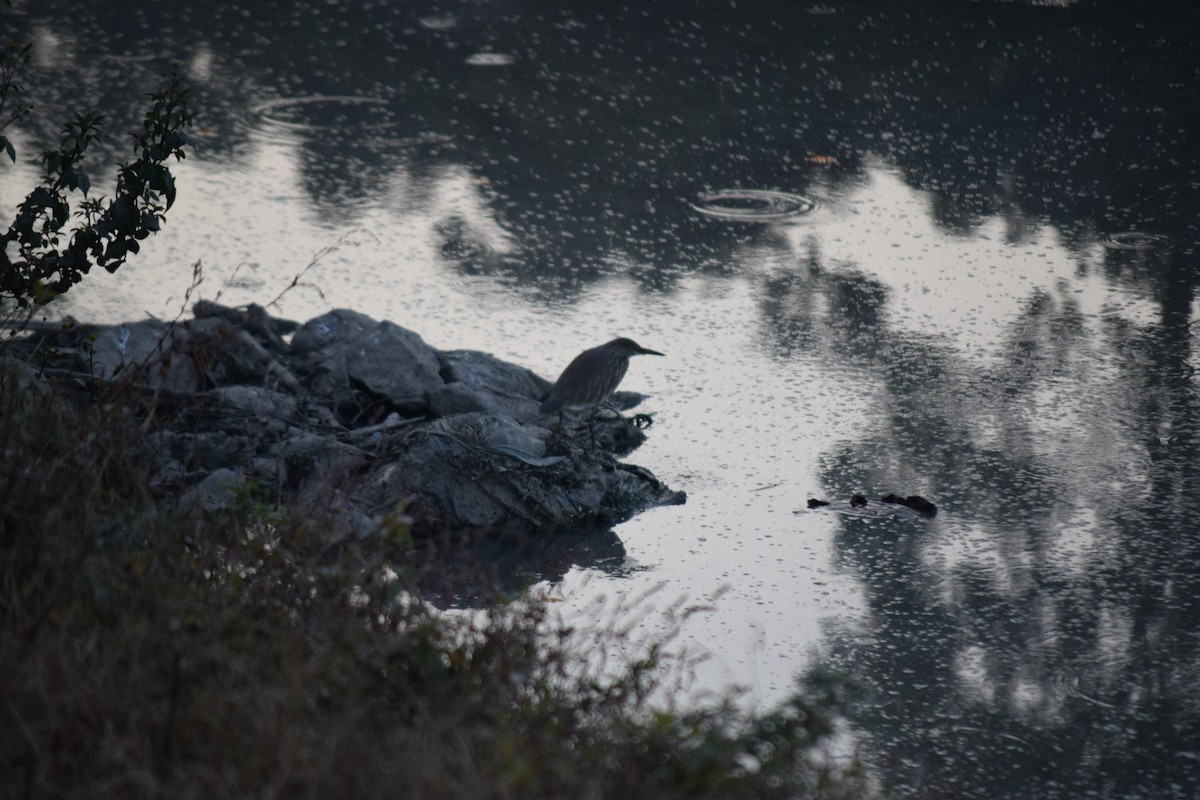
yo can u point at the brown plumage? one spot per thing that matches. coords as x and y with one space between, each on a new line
593 375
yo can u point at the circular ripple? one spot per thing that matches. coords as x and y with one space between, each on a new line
753 205
328 111
1132 240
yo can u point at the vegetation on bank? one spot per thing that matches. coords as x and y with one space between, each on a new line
152 649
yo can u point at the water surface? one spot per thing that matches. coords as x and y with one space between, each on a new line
940 249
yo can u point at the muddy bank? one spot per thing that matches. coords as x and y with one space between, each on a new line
361 415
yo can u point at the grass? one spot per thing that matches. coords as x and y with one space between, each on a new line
151 650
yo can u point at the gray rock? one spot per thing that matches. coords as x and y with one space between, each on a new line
315 459
484 370
181 358
344 519
219 490
231 355
266 330
477 456
154 350
462 472
336 327
169 472
256 401
480 382
28 379
213 450
345 352
395 363
492 431
463 398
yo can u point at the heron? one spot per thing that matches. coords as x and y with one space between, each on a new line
591 378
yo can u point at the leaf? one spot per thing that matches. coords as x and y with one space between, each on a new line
8 148
42 294
168 187
74 178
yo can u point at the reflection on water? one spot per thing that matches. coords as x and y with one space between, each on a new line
972 278
489 59
1044 619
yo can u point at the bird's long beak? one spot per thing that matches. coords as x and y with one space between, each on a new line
646 351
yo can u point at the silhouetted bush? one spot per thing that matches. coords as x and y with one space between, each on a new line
39 259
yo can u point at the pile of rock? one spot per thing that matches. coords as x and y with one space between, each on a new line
355 413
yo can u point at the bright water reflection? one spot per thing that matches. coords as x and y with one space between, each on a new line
989 303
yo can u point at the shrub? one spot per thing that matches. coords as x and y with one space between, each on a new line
38 259
150 649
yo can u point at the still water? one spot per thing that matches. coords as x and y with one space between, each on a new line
941 249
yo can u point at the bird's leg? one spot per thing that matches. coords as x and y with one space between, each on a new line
612 408
561 427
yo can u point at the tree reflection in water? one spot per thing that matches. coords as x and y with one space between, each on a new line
1039 638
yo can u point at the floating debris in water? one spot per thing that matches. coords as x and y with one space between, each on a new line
889 506
913 501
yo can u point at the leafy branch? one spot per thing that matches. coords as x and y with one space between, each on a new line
11 61
43 267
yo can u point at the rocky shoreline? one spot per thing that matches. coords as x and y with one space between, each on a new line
355 414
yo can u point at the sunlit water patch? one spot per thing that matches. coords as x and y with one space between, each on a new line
964 290
440 22
753 205
490 59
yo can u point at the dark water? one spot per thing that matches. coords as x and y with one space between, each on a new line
936 248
